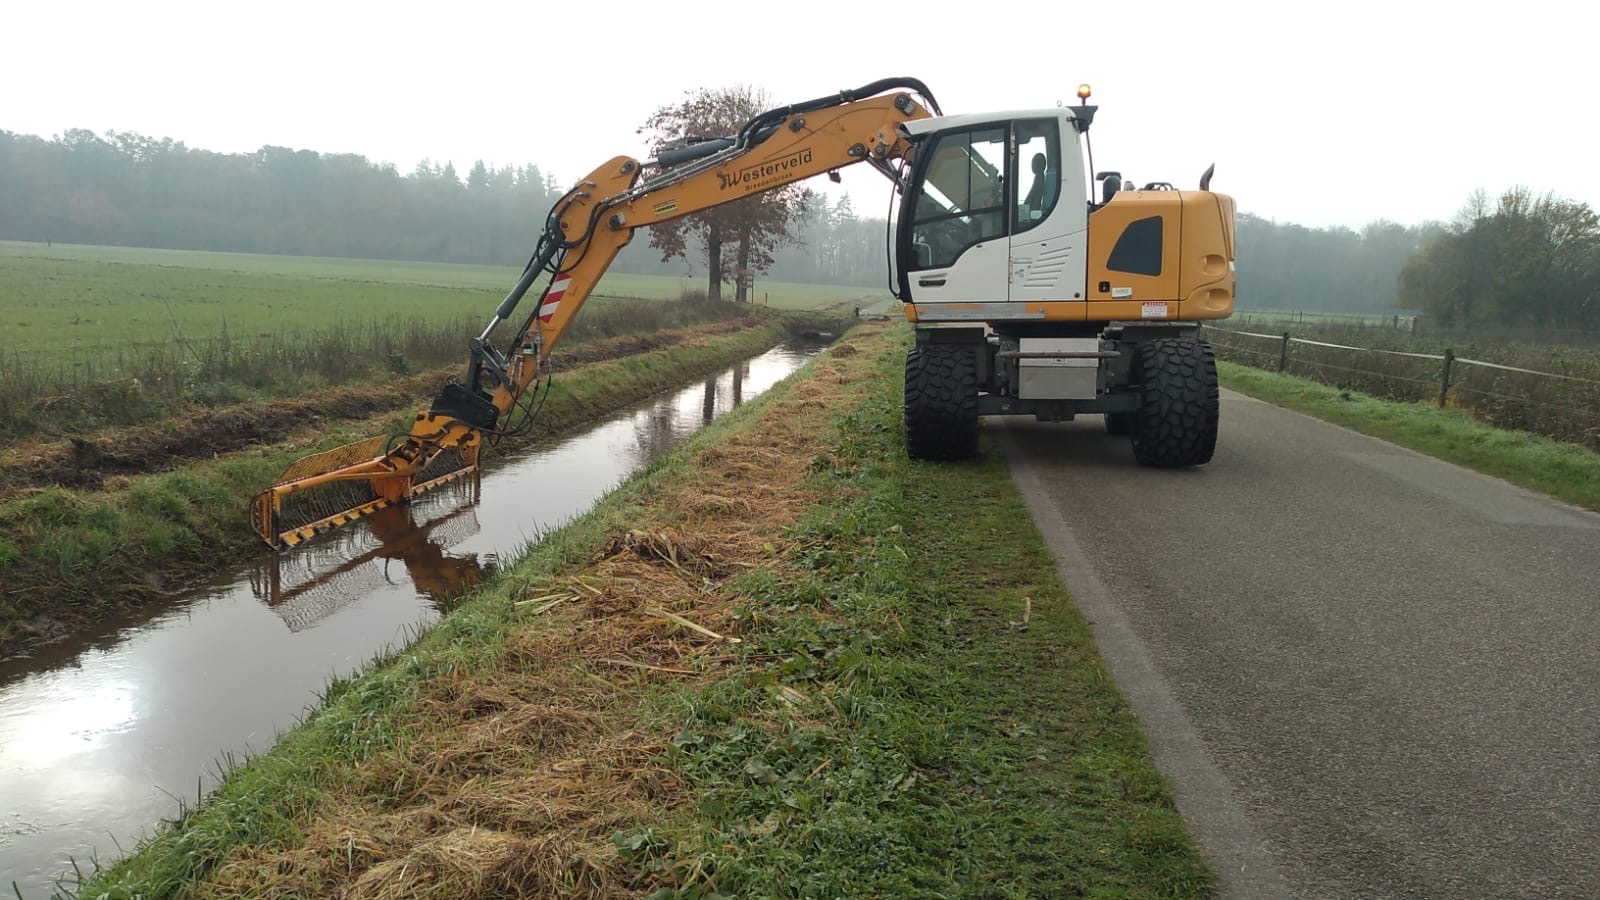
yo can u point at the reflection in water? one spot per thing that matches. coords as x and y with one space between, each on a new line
99 736
654 430
307 585
737 376
660 427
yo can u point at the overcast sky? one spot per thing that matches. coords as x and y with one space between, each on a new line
1328 114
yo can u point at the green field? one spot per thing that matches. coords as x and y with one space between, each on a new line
66 297
108 336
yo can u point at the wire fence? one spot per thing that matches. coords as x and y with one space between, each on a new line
1267 318
1558 405
1412 323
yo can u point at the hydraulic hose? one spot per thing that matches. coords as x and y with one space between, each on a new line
746 137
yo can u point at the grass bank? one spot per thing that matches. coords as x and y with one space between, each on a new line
1561 470
783 660
70 556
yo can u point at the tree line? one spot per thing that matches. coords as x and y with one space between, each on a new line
1292 267
1524 260
129 189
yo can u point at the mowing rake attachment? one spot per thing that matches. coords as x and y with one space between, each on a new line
336 487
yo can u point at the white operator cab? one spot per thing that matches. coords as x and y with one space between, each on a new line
995 214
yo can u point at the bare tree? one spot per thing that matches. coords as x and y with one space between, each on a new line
759 224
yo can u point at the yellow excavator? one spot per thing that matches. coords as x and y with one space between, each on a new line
1029 295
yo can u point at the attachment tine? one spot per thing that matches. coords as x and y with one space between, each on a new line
335 487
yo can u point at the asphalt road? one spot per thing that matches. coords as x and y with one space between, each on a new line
1367 673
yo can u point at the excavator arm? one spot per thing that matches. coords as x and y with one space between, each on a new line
583 234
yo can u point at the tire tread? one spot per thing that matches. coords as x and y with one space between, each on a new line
1176 425
941 402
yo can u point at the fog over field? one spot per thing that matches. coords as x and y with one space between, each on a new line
1350 135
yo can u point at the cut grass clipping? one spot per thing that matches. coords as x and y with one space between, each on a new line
1567 472
783 661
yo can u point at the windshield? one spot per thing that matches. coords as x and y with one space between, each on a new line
962 196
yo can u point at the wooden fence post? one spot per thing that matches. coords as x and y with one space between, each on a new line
1444 375
1283 353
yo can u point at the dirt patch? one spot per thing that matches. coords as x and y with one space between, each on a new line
89 461
533 778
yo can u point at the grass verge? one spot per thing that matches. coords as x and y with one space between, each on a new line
1564 471
783 660
70 556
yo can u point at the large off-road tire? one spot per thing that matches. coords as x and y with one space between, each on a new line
1176 425
941 402
1121 422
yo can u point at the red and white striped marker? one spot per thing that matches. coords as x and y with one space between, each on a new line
552 300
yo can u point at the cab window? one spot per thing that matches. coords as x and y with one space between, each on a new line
1038 164
963 197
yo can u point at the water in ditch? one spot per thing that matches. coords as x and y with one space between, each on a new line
103 736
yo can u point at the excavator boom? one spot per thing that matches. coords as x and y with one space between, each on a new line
582 236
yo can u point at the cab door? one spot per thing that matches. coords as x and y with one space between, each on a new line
956 246
1049 229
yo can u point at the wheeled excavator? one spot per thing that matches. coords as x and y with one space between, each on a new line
1028 294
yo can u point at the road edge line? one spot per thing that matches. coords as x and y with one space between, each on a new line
1202 793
